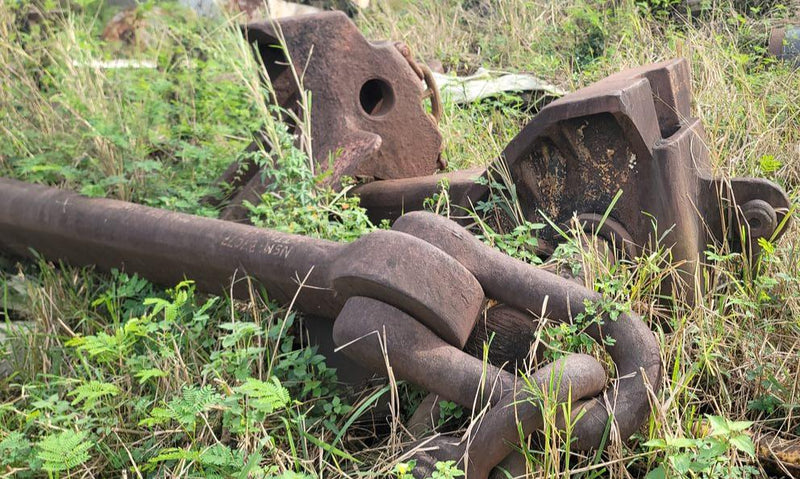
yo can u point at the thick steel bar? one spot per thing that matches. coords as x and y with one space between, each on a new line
163 246
422 285
390 199
367 329
167 247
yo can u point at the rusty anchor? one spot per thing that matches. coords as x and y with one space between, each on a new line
413 293
362 92
631 133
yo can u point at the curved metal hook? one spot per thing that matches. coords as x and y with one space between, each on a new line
635 351
390 341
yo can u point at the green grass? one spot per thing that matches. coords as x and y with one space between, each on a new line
112 374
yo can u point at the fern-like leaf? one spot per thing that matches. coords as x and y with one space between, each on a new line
185 408
13 448
217 457
89 393
147 374
175 454
265 397
222 456
63 451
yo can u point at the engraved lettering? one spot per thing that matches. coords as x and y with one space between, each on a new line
276 248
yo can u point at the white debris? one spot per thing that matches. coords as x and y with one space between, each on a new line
253 9
115 64
486 83
632 161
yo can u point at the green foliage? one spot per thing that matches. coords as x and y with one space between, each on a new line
15 449
572 337
157 135
769 398
446 470
140 364
125 294
293 475
443 470
587 27
449 411
63 451
108 348
521 241
661 9
264 397
402 470
253 403
147 374
769 164
706 457
299 201
215 461
439 202
502 195
185 408
91 392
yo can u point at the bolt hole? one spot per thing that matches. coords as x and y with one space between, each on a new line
376 97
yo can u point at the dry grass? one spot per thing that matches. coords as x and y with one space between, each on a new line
740 344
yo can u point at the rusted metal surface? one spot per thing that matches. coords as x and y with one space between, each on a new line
368 119
526 288
572 378
784 43
166 247
389 199
509 332
364 93
411 295
370 328
780 456
631 133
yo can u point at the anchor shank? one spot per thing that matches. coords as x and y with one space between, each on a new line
164 246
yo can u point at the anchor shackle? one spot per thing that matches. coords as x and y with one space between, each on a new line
383 337
635 350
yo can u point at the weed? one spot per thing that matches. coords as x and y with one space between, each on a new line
168 382
706 457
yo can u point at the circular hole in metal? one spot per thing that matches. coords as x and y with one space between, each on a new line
376 97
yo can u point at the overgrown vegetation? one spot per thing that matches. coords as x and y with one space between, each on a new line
111 375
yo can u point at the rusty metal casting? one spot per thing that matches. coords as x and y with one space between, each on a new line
411 297
784 43
367 115
631 133
412 294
